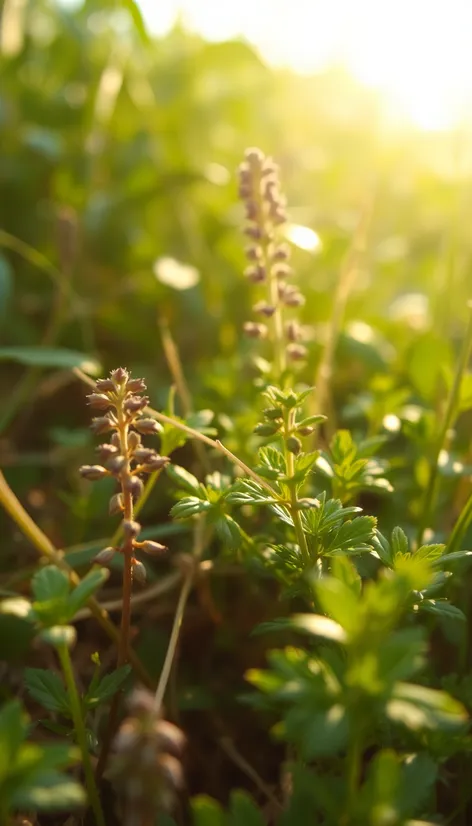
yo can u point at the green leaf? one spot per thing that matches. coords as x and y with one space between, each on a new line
228 531
430 552
399 542
13 727
207 812
185 480
323 733
47 688
442 609
86 588
51 792
243 811
107 687
339 601
189 506
51 357
418 707
320 626
419 775
345 571
50 583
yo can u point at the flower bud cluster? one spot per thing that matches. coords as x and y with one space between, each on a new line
124 457
268 257
146 762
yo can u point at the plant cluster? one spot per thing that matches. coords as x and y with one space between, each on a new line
348 691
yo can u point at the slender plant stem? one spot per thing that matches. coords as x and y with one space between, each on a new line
80 732
179 613
127 547
289 420
45 547
450 412
460 528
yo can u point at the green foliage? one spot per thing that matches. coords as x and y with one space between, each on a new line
118 209
32 776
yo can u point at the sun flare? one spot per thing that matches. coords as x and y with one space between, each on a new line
415 52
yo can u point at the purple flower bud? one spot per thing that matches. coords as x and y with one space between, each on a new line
297 352
139 572
253 232
146 426
293 298
170 738
116 464
171 770
102 424
106 451
135 404
157 463
254 157
116 441
254 330
282 271
253 253
152 548
281 253
116 504
293 331
135 385
105 386
144 454
99 400
134 486
105 556
256 275
119 376
307 430
131 528
134 440
92 472
265 309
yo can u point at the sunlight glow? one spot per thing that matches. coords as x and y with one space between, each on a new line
415 52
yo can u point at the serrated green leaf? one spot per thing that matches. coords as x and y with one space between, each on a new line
430 552
107 687
442 609
50 583
189 506
399 542
185 480
47 688
228 531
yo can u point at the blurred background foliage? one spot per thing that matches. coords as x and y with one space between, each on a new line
119 211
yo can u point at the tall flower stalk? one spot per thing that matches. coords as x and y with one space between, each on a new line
268 261
126 459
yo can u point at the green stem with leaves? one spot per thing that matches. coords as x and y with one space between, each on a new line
79 726
289 422
449 415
